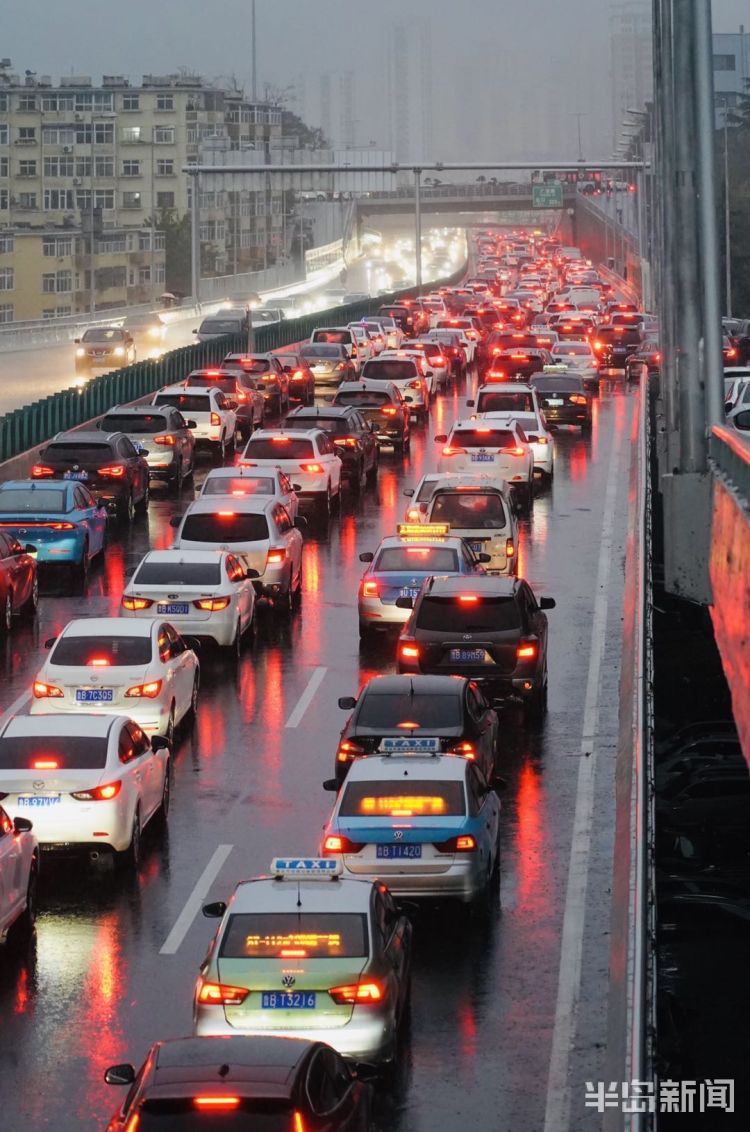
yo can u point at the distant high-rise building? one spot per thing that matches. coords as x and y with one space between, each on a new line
325 106
427 93
401 93
346 109
731 71
631 46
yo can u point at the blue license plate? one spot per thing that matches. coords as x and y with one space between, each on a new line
75 476
172 607
94 695
283 1000
38 801
468 656
407 592
476 547
482 458
398 852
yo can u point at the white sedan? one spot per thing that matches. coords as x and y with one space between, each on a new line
89 781
143 669
204 593
239 482
498 449
19 873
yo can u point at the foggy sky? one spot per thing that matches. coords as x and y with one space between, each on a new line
507 74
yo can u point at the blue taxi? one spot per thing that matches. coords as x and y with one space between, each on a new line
60 519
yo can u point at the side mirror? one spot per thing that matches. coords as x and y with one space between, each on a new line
300 523
484 557
194 332
29 548
347 703
49 642
22 825
408 400
332 785
193 644
214 911
408 492
547 603
232 405
175 521
742 420
366 556
470 404
251 573
191 424
159 743
441 439
119 1075
130 571
404 603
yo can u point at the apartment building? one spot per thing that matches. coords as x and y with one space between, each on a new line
631 47
731 65
80 161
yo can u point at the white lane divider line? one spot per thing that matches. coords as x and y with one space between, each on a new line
15 707
306 698
557 1111
174 940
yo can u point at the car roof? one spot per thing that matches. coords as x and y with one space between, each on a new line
506 387
248 504
453 542
239 471
497 585
174 554
96 626
500 418
368 386
35 485
88 724
282 430
87 437
312 412
421 685
378 769
138 410
195 390
268 1057
268 894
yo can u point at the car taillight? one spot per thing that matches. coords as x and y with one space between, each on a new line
314 468
347 441
370 589
337 843
449 450
464 843
514 451
341 365
164 440
439 360
598 346
275 555
464 749
409 652
577 399
388 411
348 750
359 993
149 691
415 385
46 691
496 374
731 352
38 471
212 604
240 396
134 603
215 419
220 994
99 793
217 1104
297 375
112 471
413 513
510 549
527 650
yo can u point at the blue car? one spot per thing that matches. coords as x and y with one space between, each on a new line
426 824
60 520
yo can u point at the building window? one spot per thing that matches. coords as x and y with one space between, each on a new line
3 134
165 102
59 200
27 201
104 167
7 279
93 100
57 246
61 312
6 312
104 133
27 134
3 103
725 63
131 200
83 167
4 167
110 245
144 275
54 102
130 135
3 199
64 282
7 245
165 200
27 169
58 135
164 135
27 102
48 283
160 273
144 241
131 168
165 168
131 102
106 277
59 167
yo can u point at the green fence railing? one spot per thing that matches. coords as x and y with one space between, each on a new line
32 424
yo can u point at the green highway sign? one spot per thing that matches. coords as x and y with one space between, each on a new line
548 195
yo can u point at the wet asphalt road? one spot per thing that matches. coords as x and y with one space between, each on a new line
93 988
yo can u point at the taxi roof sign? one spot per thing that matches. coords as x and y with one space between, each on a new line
305 868
423 530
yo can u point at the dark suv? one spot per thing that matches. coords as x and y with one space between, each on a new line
104 347
615 344
270 379
491 630
354 440
107 462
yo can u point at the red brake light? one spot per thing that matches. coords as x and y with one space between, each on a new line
370 589
280 439
276 554
577 399
347 750
468 599
388 411
527 650
358 993
169 440
46 691
113 471
514 451
465 844
409 652
134 603
220 994
336 843
150 690
465 750
315 468
510 549
99 793
215 419
297 375
38 471
451 451
216 1104
44 764
212 604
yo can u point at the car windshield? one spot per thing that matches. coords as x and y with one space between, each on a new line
336 426
175 573
44 500
308 935
102 651
467 510
321 351
393 798
185 402
224 527
422 713
333 337
182 1115
52 752
221 326
281 447
505 401
365 398
422 559
482 438
141 423
104 334
239 485
451 615
88 453
387 370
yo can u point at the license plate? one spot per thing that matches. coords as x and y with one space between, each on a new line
398 852
283 1000
406 592
484 457
39 800
76 476
476 547
166 609
467 656
555 401
414 746
94 695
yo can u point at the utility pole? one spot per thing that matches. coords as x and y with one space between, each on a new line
727 220
254 53
580 137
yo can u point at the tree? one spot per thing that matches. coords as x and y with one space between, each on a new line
177 248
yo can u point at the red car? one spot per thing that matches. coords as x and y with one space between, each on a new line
19 589
301 377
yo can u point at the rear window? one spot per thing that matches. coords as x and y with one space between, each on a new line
574 349
449 615
499 401
428 712
553 384
181 1115
321 351
617 334
239 485
178 574
390 370
185 402
466 510
333 337
78 453
483 438
416 798
336 426
303 935
225 527
44 500
249 365
105 651
221 326
227 383
279 448
74 752
141 423
402 559
365 398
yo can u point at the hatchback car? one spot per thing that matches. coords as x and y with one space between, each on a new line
107 463
57 523
104 347
330 363
408 374
492 630
522 403
498 448
301 377
305 953
269 378
247 404
613 346
478 510
391 712
162 436
306 455
105 665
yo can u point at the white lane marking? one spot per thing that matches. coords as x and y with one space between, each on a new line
306 698
557 1111
174 940
17 704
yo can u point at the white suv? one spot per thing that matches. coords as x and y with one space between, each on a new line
306 455
496 448
214 415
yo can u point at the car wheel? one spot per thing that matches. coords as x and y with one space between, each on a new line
407 442
194 695
6 621
284 603
324 505
24 925
235 649
130 858
536 705
178 480
30 606
126 509
220 451
166 794
372 475
143 502
366 631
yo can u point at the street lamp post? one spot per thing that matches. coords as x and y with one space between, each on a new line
727 217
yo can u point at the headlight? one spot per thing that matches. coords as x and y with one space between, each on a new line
80 352
119 351
154 331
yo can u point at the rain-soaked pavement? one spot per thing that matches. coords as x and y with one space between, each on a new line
95 988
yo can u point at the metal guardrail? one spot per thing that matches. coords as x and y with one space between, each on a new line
729 457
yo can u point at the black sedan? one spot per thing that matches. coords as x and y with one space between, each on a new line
354 440
107 462
564 399
613 346
397 712
301 377
269 1082
492 631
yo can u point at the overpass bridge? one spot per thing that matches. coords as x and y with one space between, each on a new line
486 195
